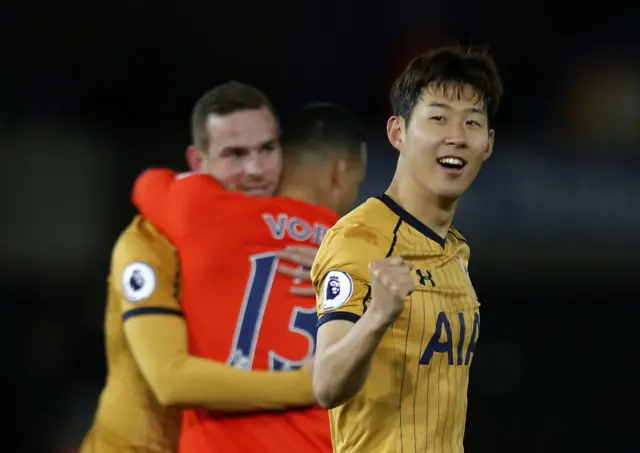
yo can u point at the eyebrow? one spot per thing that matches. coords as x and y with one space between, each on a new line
244 147
448 107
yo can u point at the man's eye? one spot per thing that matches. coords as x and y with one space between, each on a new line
268 147
236 152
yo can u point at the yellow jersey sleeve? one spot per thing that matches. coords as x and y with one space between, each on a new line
340 272
145 272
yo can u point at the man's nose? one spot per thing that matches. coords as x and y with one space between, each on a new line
253 165
456 136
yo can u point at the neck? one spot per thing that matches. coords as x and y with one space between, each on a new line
300 187
435 212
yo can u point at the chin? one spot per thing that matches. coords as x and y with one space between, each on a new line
258 193
449 197
450 193
263 191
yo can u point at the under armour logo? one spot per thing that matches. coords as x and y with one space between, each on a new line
425 278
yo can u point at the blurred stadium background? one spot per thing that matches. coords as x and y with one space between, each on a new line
93 93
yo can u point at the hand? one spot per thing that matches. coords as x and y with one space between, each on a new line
391 283
303 256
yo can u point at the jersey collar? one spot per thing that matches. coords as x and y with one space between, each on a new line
408 218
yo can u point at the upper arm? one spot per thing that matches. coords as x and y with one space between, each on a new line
145 274
145 280
157 343
340 275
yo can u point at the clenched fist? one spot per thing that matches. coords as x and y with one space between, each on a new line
391 282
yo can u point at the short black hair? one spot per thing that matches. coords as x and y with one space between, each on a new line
448 67
224 99
323 128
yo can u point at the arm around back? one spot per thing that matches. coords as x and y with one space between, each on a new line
145 278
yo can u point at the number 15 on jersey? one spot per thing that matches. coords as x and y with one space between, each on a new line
249 328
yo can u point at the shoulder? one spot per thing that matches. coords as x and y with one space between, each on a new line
142 242
145 268
190 191
197 184
370 226
295 204
199 197
150 186
456 235
153 178
304 209
191 201
459 244
364 235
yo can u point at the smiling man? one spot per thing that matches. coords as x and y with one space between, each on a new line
398 316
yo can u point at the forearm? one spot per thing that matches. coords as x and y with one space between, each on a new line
197 382
159 346
342 368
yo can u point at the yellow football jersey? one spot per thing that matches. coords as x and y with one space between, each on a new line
144 279
415 396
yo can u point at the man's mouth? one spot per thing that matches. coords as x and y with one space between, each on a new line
452 163
257 191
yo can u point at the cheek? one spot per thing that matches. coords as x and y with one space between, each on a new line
426 137
225 170
423 147
422 158
479 146
274 164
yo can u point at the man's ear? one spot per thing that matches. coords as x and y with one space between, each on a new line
395 132
194 158
339 171
489 150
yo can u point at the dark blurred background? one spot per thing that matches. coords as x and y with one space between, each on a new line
94 92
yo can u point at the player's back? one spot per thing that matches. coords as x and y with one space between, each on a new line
129 417
239 310
241 282
415 397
